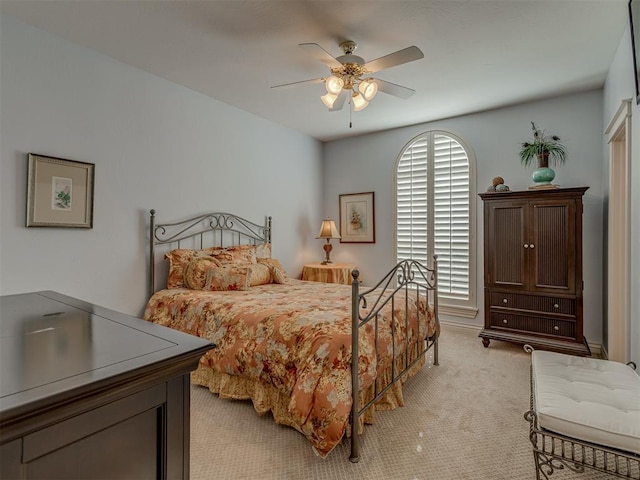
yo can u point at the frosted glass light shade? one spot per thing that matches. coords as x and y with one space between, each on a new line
359 102
368 89
334 84
329 99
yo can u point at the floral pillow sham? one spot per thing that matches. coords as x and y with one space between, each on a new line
180 258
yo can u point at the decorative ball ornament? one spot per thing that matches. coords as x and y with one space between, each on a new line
497 185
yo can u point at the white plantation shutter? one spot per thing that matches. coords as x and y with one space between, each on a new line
411 197
433 204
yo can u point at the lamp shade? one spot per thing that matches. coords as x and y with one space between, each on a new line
329 99
359 102
334 84
368 88
328 229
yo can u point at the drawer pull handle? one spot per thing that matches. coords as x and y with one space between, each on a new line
504 320
504 300
556 328
555 305
526 245
531 245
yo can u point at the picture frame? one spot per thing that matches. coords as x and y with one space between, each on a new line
634 22
357 218
59 192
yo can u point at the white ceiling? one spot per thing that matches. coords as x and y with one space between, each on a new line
479 54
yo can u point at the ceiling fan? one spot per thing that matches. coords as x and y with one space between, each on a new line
350 75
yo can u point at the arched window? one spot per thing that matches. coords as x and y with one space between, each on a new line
435 214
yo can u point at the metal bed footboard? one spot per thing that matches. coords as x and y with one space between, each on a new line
552 451
411 278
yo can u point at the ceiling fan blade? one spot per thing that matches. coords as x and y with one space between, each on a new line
393 89
295 84
405 55
339 103
321 54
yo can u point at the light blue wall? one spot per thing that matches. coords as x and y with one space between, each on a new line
367 163
155 145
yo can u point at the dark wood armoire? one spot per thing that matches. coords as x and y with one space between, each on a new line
533 269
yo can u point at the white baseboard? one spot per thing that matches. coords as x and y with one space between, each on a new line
453 323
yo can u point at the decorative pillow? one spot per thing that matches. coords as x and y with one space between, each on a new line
277 274
237 255
178 260
263 250
221 255
228 277
273 262
243 254
195 273
260 274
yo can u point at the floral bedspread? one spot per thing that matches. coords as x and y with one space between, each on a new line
295 338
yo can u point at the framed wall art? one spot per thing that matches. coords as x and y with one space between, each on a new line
59 192
357 218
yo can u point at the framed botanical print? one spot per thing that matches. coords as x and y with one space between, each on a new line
357 218
59 192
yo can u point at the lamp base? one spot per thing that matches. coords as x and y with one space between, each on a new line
327 250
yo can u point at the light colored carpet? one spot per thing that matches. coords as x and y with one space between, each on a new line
462 420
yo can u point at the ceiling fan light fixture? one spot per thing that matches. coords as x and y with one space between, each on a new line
334 84
329 99
368 88
345 81
359 102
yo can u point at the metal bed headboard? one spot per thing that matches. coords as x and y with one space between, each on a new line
206 230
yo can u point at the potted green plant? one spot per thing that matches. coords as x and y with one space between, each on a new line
544 148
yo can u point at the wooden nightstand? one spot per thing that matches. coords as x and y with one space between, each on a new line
330 273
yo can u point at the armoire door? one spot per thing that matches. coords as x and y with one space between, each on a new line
551 246
506 262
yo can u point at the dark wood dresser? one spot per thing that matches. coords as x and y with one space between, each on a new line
90 393
533 269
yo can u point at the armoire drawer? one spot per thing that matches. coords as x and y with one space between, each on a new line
536 303
526 323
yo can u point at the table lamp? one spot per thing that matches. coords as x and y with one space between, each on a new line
328 230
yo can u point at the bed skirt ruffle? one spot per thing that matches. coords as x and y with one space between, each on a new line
267 398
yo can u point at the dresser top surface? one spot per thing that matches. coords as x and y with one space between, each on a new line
534 193
50 343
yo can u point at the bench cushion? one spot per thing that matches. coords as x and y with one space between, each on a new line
597 401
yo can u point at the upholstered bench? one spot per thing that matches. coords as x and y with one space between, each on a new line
585 412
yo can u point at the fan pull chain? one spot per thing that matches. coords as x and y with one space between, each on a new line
350 113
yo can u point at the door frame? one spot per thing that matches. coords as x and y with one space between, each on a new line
618 136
